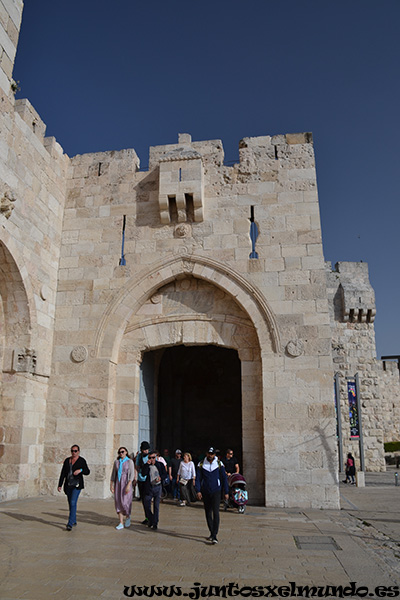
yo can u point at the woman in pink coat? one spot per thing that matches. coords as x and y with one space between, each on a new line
121 485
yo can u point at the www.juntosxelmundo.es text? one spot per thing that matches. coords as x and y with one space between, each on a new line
291 590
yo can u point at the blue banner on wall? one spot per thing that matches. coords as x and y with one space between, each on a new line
353 411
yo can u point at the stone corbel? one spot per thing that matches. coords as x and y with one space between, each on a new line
198 207
361 315
181 207
164 209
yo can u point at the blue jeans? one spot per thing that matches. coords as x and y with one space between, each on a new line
153 494
175 489
72 495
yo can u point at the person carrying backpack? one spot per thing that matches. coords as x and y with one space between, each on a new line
211 478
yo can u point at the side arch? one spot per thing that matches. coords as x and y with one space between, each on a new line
15 332
139 288
11 253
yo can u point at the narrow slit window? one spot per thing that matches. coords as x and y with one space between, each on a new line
122 261
253 234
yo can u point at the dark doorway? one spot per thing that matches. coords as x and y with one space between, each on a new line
199 400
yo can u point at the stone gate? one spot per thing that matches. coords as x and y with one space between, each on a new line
190 301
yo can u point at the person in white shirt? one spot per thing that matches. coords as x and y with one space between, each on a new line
186 478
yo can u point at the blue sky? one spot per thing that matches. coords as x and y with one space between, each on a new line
107 76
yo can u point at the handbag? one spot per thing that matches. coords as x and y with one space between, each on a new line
72 481
192 491
183 481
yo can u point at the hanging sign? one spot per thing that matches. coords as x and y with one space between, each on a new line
353 412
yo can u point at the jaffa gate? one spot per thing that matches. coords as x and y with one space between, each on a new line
188 305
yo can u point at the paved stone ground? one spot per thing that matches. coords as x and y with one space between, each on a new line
39 559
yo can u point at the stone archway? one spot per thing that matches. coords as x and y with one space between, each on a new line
132 324
128 301
16 362
189 311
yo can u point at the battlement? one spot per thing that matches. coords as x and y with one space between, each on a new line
261 148
353 295
112 162
31 117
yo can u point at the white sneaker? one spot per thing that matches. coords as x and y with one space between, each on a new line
120 526
128 522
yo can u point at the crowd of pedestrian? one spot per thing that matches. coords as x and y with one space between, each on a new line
156 475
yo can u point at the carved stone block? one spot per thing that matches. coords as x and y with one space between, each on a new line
24 360
6 203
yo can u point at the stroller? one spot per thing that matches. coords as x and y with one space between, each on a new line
238 496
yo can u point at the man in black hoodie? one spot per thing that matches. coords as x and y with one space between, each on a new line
210 480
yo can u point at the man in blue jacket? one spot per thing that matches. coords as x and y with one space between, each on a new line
211 478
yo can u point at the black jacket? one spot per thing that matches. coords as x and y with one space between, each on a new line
79 464
145 470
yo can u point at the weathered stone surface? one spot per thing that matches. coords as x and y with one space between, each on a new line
351 298
216 256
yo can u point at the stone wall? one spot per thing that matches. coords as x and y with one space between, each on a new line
389 378
33 171
101 263
195 221
352 304
10 21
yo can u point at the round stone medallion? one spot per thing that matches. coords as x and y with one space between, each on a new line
295 348
79 354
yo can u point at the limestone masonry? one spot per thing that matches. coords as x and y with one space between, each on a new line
189 304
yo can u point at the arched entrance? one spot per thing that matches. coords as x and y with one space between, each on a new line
190 301
197 398
191 350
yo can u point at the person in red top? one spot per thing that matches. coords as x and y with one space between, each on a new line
350 469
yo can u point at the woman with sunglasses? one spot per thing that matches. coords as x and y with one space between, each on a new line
121 485
72 472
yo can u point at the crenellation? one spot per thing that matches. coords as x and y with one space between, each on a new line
29 115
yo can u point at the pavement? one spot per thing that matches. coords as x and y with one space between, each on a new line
278 550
